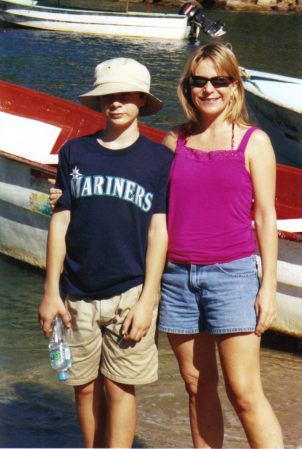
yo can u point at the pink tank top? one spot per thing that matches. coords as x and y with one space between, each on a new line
210 202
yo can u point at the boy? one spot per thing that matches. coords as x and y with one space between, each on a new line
108 232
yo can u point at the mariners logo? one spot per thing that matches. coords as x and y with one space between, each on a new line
86 186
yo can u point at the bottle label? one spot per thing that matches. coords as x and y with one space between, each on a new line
55 356
60 357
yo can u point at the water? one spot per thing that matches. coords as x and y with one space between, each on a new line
63 64
35 409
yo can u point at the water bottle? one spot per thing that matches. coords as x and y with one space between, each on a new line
59 352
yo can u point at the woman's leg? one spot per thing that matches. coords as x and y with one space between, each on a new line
240 361
197 363
91 409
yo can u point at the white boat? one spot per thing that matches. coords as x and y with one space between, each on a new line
36 14
289 276
32 132
276 102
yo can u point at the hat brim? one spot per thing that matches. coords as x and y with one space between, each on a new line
91 98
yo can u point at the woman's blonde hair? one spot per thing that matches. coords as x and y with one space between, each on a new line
226 64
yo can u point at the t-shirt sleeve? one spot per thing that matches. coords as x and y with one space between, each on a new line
160 204
63 179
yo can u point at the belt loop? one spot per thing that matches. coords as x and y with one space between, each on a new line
193 276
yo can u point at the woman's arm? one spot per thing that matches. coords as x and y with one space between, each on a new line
54 194
262 165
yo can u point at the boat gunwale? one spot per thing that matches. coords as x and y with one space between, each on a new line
250 77
45 168
274 102
292 236
80 11
246 73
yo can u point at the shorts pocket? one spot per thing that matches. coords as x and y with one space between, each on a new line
239 268
169 266
175 268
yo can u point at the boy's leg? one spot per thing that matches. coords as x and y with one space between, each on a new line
85 341
91 410
125 364
121 414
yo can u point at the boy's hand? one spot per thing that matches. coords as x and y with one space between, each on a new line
137 322
50 307
54 194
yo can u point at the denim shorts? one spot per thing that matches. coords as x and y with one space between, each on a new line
218 299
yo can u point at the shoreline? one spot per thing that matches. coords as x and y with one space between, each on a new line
258 6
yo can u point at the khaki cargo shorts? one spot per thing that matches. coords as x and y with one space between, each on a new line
96 344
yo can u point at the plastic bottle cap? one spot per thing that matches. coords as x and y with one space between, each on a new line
63 375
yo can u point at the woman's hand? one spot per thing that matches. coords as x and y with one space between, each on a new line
54 194
266 309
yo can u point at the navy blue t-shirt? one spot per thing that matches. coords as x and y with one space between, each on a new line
112 195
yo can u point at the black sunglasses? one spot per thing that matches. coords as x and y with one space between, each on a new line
216 81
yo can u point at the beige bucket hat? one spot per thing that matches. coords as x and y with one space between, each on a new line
121 75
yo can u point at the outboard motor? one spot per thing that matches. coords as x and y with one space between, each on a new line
198 21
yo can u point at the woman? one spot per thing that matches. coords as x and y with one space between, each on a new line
210 289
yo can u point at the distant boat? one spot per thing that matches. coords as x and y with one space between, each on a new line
39 14
276 102
32 132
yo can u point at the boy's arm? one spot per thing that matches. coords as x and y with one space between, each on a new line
52 304
139 318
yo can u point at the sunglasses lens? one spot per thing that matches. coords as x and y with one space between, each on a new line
198 81
221 81
216 81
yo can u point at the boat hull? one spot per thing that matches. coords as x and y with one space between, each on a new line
29 14
289 285
276 103
284 128
24 211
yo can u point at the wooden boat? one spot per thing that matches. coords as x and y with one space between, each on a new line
42 15
32 132
289 275
276 102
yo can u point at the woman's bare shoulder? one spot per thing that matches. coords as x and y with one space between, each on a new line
259 142
259 152
170 139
